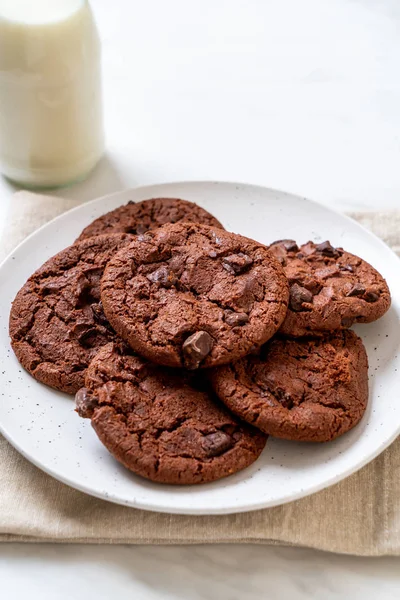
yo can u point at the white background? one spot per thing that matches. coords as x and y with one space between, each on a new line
301 95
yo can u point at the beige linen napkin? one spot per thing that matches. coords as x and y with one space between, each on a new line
360 515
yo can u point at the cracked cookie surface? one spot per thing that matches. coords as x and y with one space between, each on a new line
329 288
57 322
309 390
159 424
138 217
194 296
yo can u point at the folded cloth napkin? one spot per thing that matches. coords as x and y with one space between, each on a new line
360 515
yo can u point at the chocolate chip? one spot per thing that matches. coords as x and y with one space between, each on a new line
82 289
177 264
327 272
87 315
284 398
298 296
80 328
52 286
235 319
346 268
237 263
163 276
307 249
310 283
371 296
145 237
215 444
93 339
327 249
131 202
289 245
87 288
94 274
99 315
279 252
85 404
89 336
139 229
357 290
328 293
196 348
347 321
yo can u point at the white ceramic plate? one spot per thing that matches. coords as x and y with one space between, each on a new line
43 426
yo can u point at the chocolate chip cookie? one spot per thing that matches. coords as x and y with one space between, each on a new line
139 217
329 288
310 390
57 322
194 296
159 424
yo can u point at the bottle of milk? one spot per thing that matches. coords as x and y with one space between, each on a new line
51 123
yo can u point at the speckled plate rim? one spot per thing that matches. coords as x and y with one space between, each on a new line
244 491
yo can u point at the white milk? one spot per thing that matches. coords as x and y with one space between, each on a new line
51 128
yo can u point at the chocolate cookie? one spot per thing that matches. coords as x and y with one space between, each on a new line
160 425
310 390
329 288
57 322
149 214
194 296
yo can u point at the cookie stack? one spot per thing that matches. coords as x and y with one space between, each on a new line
187 345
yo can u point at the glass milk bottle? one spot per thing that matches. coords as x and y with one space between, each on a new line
51 122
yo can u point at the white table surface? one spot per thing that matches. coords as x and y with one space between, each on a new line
298 95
